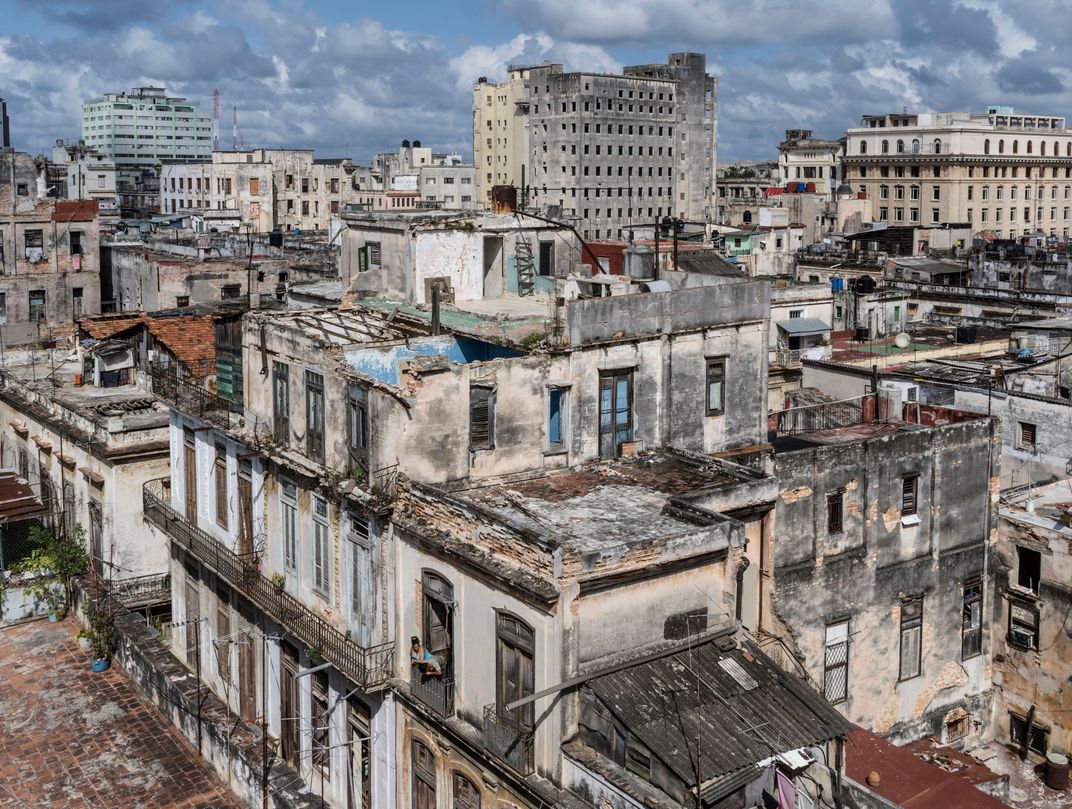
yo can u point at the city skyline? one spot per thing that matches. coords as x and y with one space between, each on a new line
319 75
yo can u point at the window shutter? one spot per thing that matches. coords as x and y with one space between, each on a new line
481 418
910 650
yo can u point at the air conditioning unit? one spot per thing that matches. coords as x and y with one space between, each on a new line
1022 637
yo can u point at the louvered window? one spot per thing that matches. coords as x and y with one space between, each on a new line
909 488
911 639
481 418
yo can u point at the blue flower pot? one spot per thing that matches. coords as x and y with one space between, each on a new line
53 617
100 665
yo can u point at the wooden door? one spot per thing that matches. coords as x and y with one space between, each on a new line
288 704
245 511
189 466
247 677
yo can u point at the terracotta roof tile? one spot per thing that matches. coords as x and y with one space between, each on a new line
192 339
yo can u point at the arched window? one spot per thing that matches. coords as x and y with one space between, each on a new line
900 147
437 620
1016 147
1001 147
1042 148
1056 149
863 146
915 146
515 671
1029 148
1068 149
885 147
424 777
466 795
986 146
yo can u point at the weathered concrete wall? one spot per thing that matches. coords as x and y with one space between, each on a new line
862 573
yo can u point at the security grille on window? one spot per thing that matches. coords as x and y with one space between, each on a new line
229 291
1038 742
836 663
911 639
971 640
481 418
1023 626
834 506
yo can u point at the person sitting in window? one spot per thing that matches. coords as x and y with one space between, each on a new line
424 660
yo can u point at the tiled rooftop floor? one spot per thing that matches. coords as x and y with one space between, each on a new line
72 738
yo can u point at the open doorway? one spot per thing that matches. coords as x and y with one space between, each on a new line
493 267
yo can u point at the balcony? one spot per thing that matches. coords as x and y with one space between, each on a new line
511 744
436 693
368 668
189 397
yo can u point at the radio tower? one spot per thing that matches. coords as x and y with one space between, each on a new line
234 129
216 120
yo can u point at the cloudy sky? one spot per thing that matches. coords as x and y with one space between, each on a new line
351 78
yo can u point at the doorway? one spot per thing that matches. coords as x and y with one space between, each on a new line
493 269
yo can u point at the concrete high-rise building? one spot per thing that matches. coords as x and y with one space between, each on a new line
146 126
616 152
999 171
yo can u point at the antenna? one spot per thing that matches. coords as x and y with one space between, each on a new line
216 119
234 129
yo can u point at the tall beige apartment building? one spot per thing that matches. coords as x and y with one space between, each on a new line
1000 171
615 153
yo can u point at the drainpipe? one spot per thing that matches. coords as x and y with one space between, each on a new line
435 309
741 568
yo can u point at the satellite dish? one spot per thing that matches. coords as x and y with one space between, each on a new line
902 340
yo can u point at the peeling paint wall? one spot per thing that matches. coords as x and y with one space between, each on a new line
864 572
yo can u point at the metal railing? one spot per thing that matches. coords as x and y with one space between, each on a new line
436 693
367 667
512 744
191 398
141 591
825 416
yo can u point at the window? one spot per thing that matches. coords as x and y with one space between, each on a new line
1028 568
557 418
547 259
230 291
909 489
360 584
255 186
514 671
288 513
1027 434
78 302
971 633
220 476
76 242
357 426
314 415
481 417
716 382
466 795
321 548
615 412
1023 626
911 639
223 629
321 721
245 506
1039 740
437 619
424 777
182 301
836 662
835 503
281 402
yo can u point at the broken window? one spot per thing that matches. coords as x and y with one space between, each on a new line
281 402
424 777
1023 625
1028 568
76 242
229 291
911 639
314 415
220 477
515 671
557 415
78 302
481 417
34 243
836 662
321 548
357 423
716 386
1038 742
638 760
288 508
615 412
466 795
835 503
909 488
547 259
971 637
1027 434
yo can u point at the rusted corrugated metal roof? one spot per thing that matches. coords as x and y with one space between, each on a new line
17 499
700 693
75 210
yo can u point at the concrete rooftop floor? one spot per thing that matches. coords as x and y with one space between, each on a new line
72 738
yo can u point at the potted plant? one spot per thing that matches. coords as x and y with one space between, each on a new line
315 658
85 639
102 639
279 580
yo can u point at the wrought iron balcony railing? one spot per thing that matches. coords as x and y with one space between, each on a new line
141 591
191 398
436 693
367 667
511 743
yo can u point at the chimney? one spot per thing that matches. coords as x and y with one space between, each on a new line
5 126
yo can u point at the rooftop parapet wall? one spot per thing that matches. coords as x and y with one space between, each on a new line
597 319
